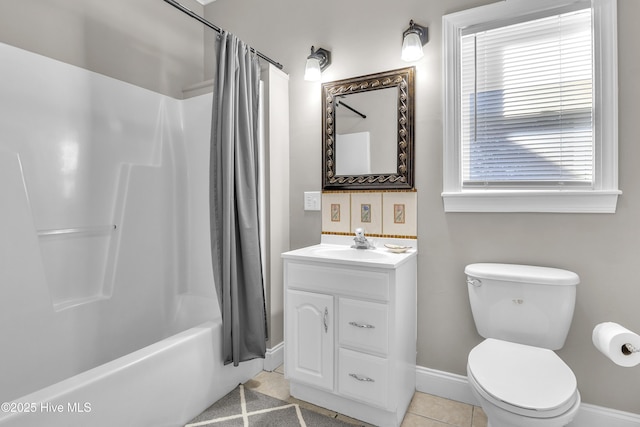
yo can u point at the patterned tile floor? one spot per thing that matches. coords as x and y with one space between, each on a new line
425 410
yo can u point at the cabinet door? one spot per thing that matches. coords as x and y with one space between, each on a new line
309 338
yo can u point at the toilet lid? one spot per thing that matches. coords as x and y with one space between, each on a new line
527 377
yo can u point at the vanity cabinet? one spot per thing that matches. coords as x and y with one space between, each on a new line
350 334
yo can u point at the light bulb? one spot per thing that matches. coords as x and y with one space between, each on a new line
312 72
412 47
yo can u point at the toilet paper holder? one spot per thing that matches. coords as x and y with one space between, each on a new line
628 349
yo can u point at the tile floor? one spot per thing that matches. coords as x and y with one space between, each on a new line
425 410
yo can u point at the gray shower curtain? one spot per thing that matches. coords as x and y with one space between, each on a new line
235 243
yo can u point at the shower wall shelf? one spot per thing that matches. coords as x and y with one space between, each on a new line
100 229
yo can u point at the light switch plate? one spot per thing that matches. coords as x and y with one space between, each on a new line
312 201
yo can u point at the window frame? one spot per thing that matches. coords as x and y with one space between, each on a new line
599 198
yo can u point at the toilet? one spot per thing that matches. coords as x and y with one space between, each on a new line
524 313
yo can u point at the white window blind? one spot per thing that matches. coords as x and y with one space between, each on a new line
527 103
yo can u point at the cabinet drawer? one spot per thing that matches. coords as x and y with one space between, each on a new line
363 325
363 377
357 283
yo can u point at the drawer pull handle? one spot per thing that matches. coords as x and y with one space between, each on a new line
362 325
325 320
362 378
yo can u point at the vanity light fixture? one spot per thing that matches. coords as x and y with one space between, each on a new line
316 64
413 38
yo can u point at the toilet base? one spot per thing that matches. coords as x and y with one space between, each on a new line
498 417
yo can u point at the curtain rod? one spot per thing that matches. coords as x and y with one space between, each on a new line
364 116
216 28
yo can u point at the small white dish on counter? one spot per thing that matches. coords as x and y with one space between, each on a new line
397 249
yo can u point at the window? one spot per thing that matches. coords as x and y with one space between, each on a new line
530 107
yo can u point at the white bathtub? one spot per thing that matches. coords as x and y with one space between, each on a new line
162 385
111 326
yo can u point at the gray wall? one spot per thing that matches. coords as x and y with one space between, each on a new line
145 42
602 249
150 44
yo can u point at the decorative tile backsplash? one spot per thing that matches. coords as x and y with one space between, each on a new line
366 212
400 213
380 213
336 212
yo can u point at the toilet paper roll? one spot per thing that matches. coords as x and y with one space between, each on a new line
610 338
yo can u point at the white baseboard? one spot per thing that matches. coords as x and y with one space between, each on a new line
444 384
456 387
598 416
274 357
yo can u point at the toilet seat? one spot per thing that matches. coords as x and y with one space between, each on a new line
522 379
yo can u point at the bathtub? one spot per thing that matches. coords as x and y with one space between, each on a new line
116 322
162 385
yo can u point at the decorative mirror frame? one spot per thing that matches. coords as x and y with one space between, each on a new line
403 79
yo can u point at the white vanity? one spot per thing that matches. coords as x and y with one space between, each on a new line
350 330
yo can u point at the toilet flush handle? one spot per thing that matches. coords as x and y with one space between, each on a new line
474 282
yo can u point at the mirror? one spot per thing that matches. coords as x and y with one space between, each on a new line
367 129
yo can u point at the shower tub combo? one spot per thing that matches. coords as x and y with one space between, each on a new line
108 312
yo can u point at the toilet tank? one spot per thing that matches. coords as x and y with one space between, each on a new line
522 303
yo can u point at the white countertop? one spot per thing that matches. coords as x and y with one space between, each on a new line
380 257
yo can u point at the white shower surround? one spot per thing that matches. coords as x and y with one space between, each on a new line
105 310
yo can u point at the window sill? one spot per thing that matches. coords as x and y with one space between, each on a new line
556 201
